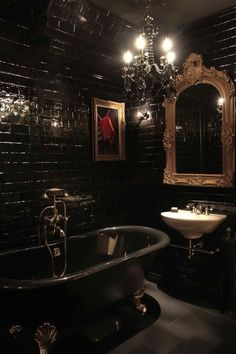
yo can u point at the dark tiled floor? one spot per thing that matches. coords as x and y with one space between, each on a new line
183 328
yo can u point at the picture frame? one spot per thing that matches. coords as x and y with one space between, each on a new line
108 128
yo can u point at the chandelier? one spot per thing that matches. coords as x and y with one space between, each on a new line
15 104
145 76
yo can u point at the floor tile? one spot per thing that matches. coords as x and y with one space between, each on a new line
183 328
219 324
225 348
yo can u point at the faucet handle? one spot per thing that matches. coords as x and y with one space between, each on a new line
207 209
199 208
191 206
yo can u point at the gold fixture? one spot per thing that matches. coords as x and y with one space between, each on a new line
45 336
136 299
194 72
15 329
16 104
143 117
52 222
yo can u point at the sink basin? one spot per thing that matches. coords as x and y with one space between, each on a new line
192 225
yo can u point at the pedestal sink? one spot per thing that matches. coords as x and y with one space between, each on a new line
192 225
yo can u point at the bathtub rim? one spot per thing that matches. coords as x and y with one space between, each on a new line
29 284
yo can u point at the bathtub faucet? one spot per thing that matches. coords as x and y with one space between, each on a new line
53 222
53 218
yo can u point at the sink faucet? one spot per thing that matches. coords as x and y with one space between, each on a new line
198 208
208 209
195 208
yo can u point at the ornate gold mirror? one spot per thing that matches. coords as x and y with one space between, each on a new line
199 135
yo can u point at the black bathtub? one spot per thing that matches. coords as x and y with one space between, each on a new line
104 266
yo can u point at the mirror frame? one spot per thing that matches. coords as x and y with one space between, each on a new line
195 72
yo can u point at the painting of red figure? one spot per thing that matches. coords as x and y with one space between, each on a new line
108 131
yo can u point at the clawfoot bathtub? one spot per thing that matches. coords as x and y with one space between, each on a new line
104 267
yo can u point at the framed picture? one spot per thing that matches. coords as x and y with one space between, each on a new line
108 130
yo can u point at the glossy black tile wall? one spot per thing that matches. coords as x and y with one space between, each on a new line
213 38
60 60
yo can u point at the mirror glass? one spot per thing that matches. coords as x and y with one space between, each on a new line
198 130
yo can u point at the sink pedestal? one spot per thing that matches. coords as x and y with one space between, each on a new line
192 247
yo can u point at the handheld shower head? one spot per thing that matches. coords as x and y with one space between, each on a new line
54 193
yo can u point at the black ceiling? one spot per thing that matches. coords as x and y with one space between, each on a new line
171 14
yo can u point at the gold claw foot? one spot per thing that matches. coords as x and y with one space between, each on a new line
136 299
15 329
45 336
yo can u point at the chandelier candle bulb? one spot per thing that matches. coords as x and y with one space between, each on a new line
140 42
167 44
128 57
170 57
